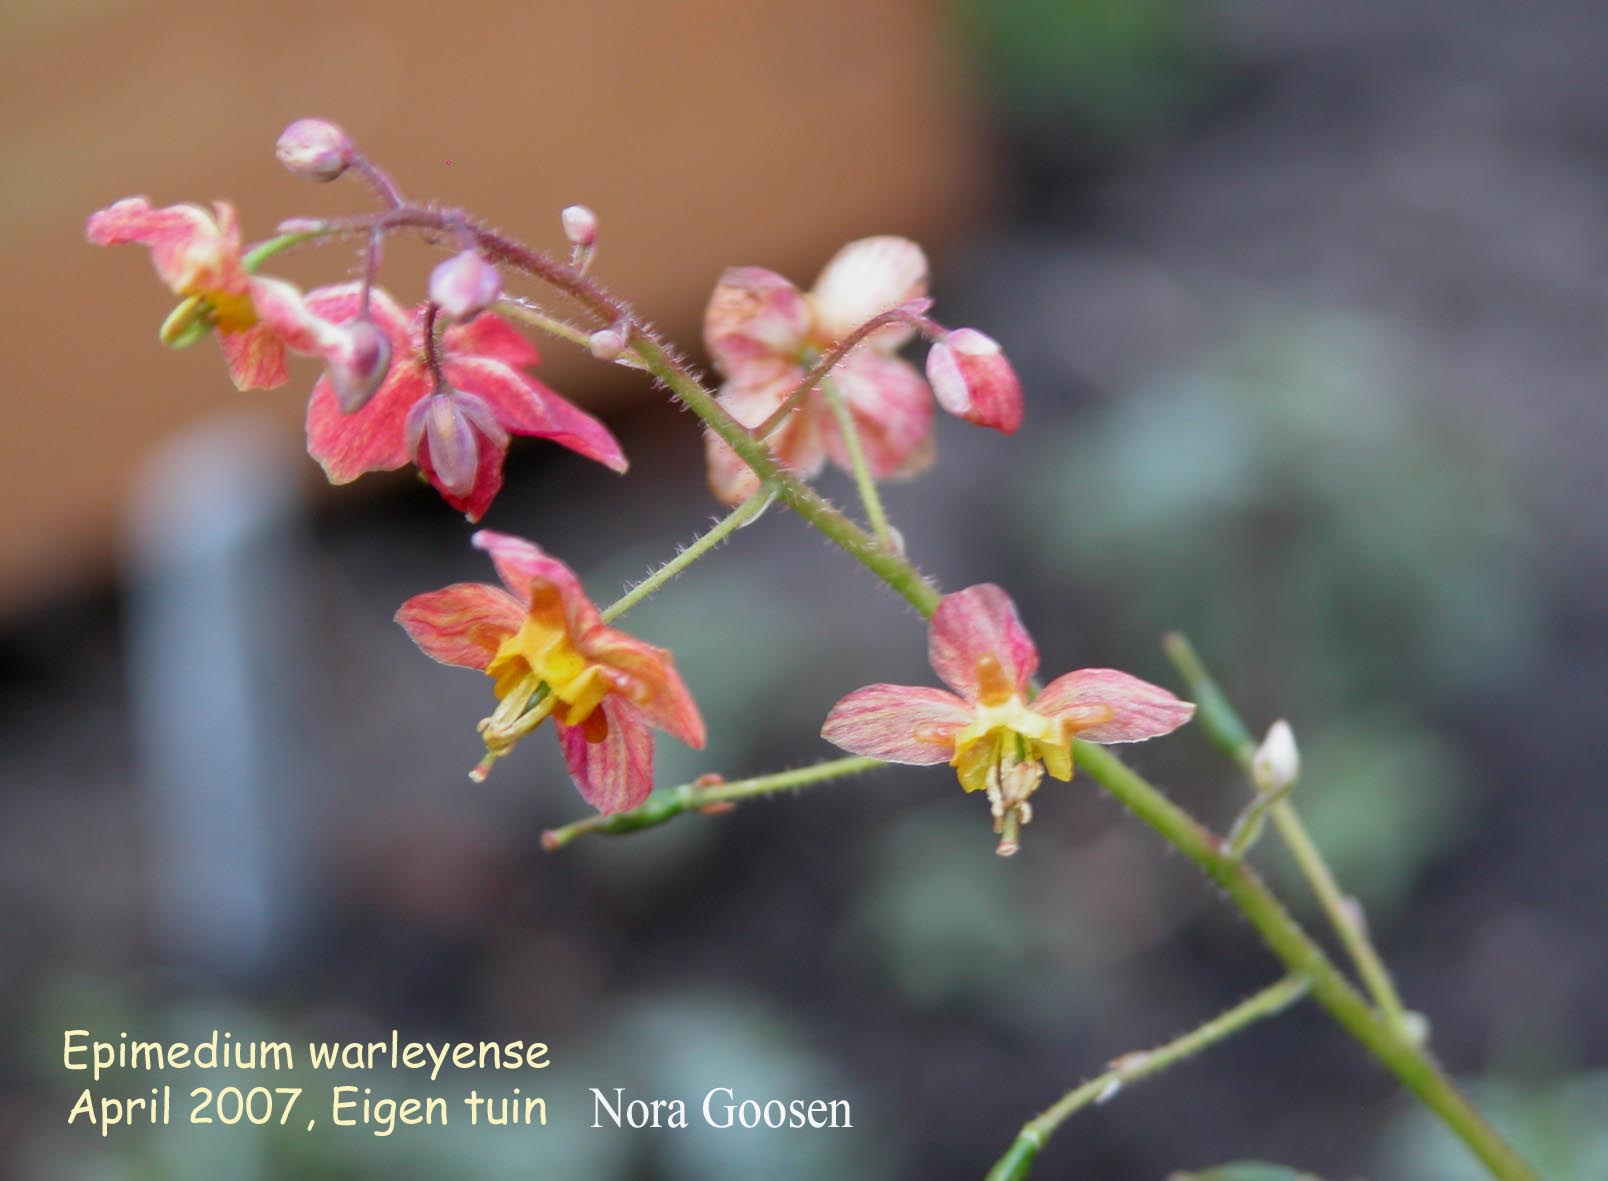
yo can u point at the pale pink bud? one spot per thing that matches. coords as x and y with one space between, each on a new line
580 225
607 344
300 225
465 285
357 364
314 148
445 433
973 380
442 439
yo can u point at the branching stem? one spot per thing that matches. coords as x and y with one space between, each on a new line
691 797
745 512
1130 1068
1222 724
864 479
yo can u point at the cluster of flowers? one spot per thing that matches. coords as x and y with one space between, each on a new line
815 374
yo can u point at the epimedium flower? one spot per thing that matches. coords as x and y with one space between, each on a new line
764 335
452 419
197 254
998 735
549 654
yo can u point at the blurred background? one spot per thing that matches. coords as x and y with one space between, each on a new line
1309 304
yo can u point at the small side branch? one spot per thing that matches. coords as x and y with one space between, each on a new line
699 796
1224 727
1130 1068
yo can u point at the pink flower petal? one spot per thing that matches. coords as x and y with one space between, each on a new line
255 356
892 410
341 302
373 439
647 676
490 335
462 624
526 407
285 311
616 773
531 574
798 444
865 279
898 723
754 317
192 250
978 644
1121 708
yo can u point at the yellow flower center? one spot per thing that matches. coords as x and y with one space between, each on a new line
541 652
1005 736
202 310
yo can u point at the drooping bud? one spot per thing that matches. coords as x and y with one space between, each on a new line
443 443
580 225
465 285
300 225
446 432
607 344
357 364
1277 763
972 380
314 148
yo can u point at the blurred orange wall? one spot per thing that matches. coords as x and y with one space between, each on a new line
704 133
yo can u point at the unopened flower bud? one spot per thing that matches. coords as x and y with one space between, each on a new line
300 225
607 344
445 433
1277 763
972 380
314 148
580 225
358 363
465 285
443 442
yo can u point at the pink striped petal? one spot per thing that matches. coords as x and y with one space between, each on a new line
526 407
285 309
462 624
898 723
539 580
615 773
490 335
255 356
192 250
341 302
373 439
1104 705
798 444
865 279
978 645
754 317
892 410
647 676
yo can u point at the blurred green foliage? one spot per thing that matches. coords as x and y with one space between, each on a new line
1381 797
1246 1170
1340 553
1111 72
1559 1125
1306 521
